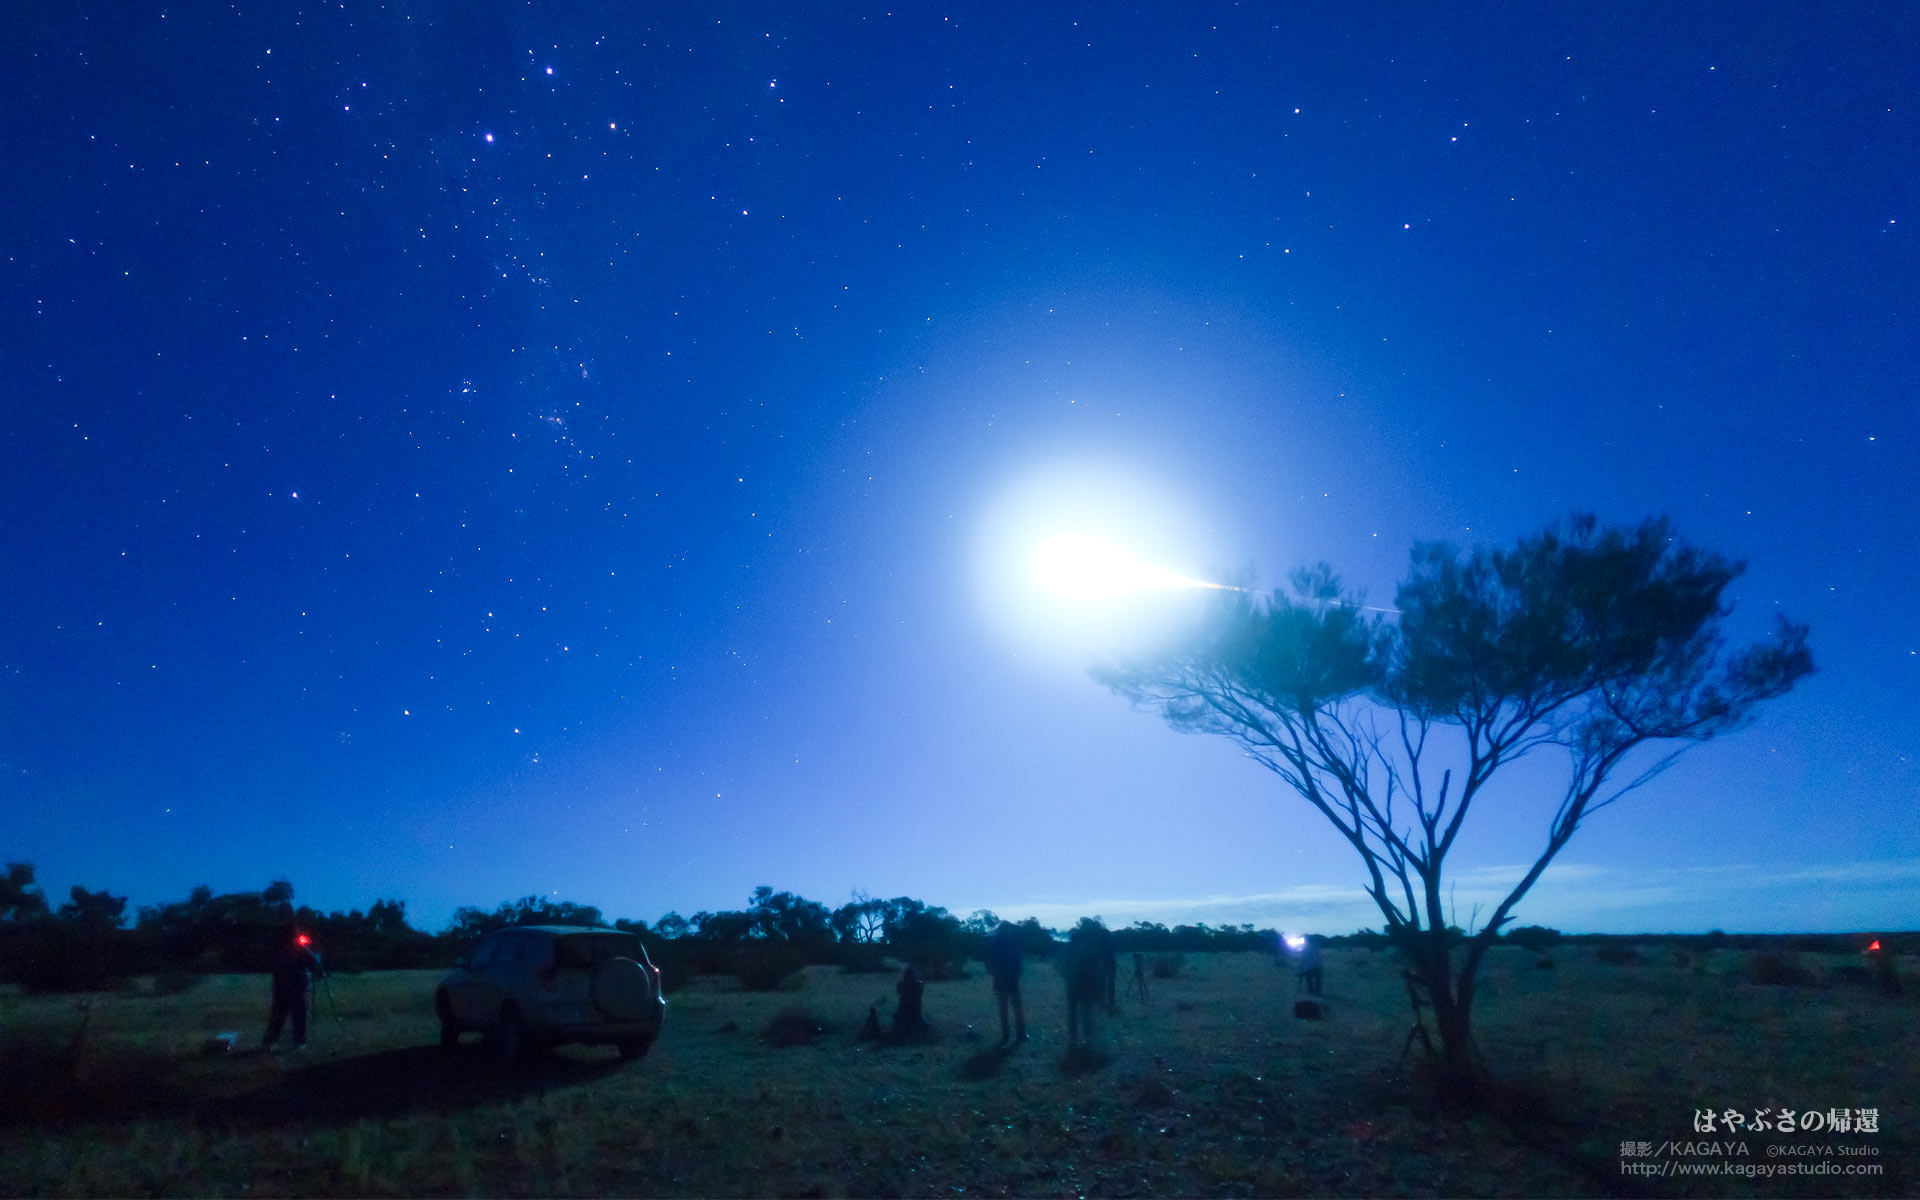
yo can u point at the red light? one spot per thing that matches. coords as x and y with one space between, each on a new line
1875 946
304 940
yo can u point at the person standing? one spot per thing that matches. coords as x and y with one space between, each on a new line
294 967
1003 964
1309 964
1100 938
1083 965
1884 975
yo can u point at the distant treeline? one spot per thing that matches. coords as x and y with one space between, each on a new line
89 942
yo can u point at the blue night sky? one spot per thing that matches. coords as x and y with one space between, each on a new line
456 451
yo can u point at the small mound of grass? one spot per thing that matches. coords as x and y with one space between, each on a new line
1166 966
864 959
1850 975
794 1026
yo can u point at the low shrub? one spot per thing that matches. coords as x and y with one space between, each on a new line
1166 966
794 1026
1533 937
1617 956
1543 963
1778 970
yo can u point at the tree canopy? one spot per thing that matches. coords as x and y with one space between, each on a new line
1593 641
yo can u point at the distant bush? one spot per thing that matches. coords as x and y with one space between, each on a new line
1543 963
1166 966
794 1026
1617 955
1533 937
1777 970
764 967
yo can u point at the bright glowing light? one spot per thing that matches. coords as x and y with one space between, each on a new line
1296 942
1077 566
304 940
1079 562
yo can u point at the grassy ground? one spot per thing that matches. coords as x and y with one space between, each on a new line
1210 1087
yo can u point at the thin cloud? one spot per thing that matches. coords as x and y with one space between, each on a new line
1577 897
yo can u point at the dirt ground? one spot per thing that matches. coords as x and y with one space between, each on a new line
1209 1086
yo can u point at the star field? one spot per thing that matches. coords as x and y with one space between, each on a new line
453 454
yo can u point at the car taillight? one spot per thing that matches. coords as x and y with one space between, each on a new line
548 977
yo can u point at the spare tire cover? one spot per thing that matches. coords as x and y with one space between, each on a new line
620 990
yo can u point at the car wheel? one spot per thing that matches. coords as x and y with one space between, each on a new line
634 1048
510 1035
449 1028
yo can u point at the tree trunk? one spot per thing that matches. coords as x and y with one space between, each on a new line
1458 1069
1459 1072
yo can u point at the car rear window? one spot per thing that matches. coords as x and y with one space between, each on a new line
586 949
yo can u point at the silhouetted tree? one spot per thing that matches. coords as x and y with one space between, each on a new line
1596 642
471 924
929 937
96 910
20 900
862 919
981 923
803 923
388 916
1036 940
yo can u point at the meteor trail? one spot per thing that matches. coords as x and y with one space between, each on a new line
1079 567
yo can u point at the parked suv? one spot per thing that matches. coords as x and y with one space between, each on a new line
541 985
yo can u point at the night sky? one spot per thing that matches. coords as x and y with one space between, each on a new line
456 451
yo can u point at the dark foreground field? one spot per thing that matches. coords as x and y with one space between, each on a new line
1211 1087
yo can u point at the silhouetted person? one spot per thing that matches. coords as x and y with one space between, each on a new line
1003 964
1100 938
1884 976
1140 975
907 1018
294 967
1306 964
1083 965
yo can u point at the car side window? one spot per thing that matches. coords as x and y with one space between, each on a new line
525 951
484 952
